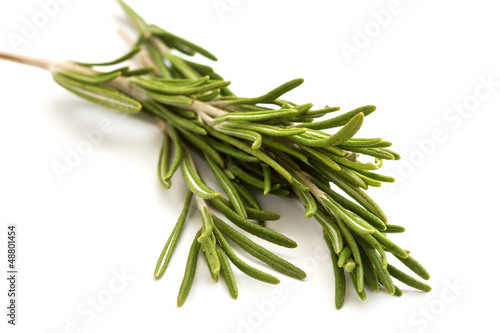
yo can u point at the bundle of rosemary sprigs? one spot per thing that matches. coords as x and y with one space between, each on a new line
264 143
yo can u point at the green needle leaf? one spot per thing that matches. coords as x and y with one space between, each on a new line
355 165
297 182
184 69
284 148
227 273
206 222
178 153
367 181
270 96
259 252
351 241
319 113
340 120
167 36
382 273
396 155
136 19
359 289
254 229
209 252
248 178
159 63
101 95
170 99
322 158
392 228
255 116
169 247
189 272
361 143
230 151
267 129
256 153
308 201
415 266
389 245
162 112
361 197
158 86
207 96
92 79
207 240
349 176
381 144
375 152
340 284
344 256
408 280
228 187
266 172
332 230
247 196
350 266
376 176
336 209
351 206
376 245
242 266
163 162
130 54
370 274
203 146
256 214
344 134
194 182
242 134
183 82
209 260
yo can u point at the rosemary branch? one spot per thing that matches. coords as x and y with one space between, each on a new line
262 143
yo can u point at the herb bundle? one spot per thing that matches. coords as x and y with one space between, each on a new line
262 143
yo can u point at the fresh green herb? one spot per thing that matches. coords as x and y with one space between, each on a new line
265 143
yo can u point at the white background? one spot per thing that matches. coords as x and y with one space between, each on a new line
110 214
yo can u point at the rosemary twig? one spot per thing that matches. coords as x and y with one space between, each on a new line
250 144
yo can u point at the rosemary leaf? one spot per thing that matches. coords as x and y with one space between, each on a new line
342 119
126 56
415 266
254 229
340 284
332 230
163 162
169 247
242 266
189 272
270 96
194 182
101 95
167 35
227 273
256 214
92 79
228 187
259 252
406 279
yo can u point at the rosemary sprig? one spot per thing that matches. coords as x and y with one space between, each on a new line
262 143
